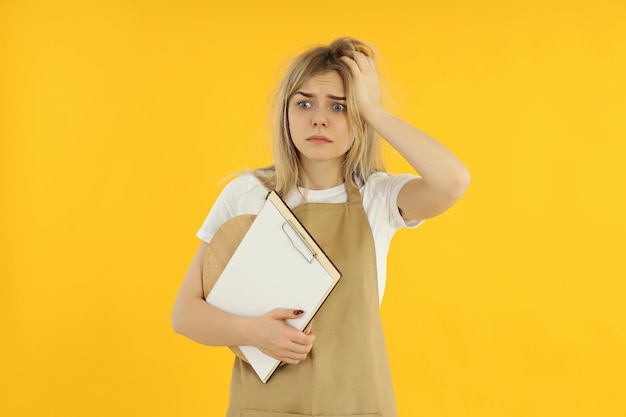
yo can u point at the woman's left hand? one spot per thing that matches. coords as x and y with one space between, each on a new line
367 89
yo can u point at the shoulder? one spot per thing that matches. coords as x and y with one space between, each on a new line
241 191
243 194
242 183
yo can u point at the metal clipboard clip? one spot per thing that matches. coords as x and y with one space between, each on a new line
294 236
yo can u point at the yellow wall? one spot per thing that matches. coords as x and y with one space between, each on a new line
119 118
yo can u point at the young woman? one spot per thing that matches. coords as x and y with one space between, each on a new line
327 169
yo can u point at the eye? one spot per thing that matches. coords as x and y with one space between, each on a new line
339 107
304 104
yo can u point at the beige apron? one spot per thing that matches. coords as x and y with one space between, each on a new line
347 371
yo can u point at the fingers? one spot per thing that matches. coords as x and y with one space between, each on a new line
360 63
282 341
294 348
298 352
296 341
365 62
303 339
354 67
285 313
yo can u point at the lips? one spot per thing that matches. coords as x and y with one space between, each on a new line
319 140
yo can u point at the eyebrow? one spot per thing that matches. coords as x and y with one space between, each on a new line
309 95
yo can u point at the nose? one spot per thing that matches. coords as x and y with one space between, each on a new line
320 118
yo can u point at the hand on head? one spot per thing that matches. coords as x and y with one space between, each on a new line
366 87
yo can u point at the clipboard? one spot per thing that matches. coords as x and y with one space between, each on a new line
257 263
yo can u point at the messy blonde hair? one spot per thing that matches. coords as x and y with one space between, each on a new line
363 158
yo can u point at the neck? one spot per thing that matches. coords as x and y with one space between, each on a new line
321 176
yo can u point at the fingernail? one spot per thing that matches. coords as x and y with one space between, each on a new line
297 312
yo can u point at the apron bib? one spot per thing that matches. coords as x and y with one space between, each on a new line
347 371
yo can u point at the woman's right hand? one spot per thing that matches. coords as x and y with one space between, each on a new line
271 334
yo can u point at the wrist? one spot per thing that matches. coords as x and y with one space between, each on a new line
371 113
245 328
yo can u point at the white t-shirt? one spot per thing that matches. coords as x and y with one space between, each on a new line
246 195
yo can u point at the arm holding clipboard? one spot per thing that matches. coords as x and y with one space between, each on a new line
277 240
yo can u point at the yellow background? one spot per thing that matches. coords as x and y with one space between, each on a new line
120 118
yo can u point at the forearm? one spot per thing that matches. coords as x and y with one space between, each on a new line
437 166
443 177
201 322
196 319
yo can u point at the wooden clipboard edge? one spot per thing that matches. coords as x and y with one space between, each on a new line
228 238
287 214
222 247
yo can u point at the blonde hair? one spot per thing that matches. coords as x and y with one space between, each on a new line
363 158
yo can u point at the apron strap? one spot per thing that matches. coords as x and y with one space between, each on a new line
354 195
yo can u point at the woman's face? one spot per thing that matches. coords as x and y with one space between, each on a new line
318 120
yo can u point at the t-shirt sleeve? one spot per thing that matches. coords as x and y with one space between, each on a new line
384 189
224 208
243 195
397 182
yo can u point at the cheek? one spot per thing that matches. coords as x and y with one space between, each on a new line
294 123
349 131
292 126
349 135
350 144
